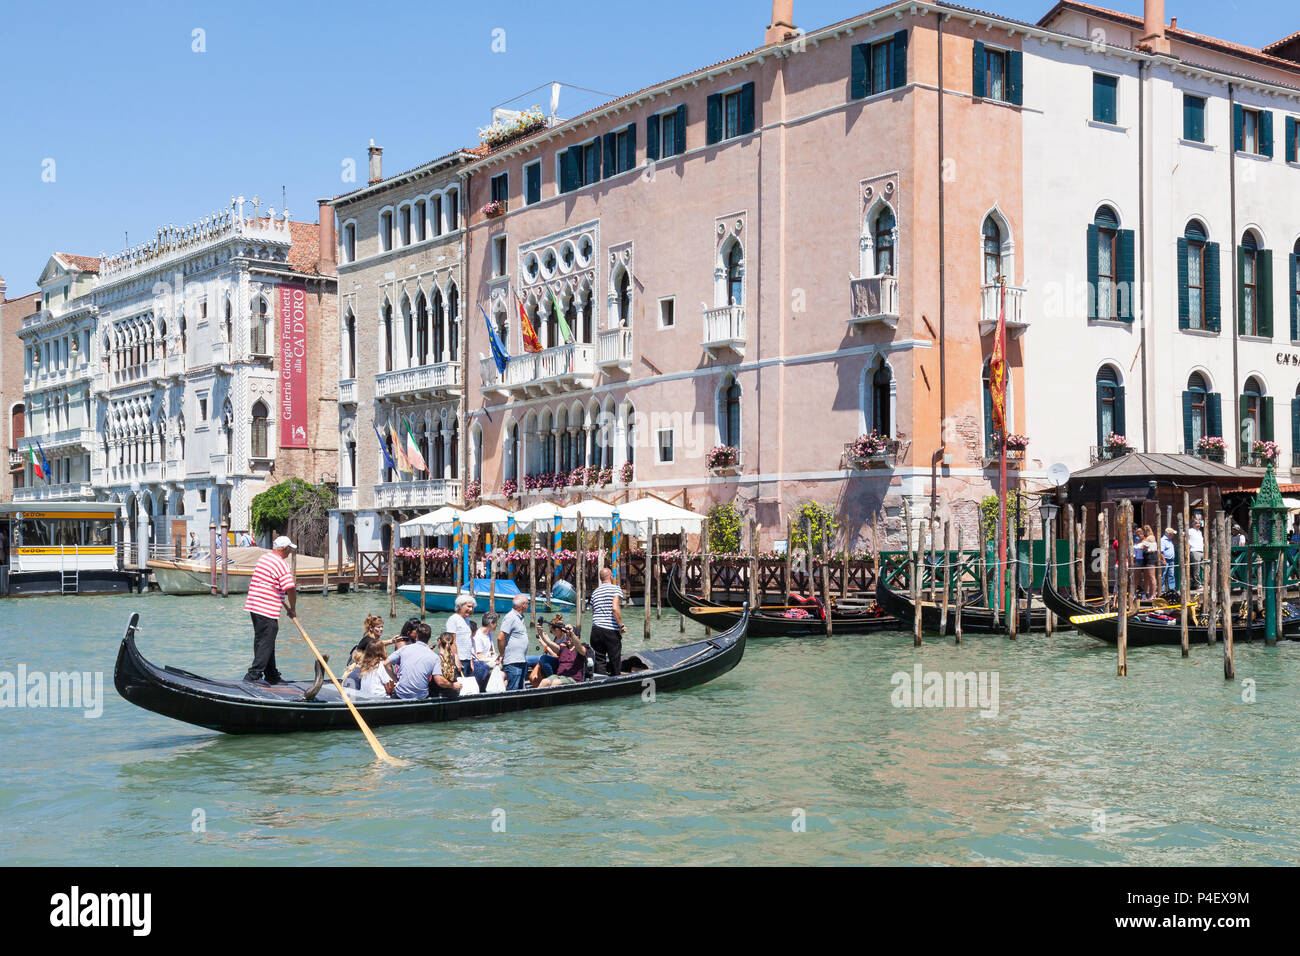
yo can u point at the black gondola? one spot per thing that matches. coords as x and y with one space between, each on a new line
239 707
721 616
975 618
1145 630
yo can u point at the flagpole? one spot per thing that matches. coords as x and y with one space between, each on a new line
1002 456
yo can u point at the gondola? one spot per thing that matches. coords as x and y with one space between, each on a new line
240 707
975 618
721 616
1145 630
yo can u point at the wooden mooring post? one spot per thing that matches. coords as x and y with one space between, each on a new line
956 625
1049 567
392 568
1123 520
947 575
913 574
1225 581
421 575
1184 572
705 570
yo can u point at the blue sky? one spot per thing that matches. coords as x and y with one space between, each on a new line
143 131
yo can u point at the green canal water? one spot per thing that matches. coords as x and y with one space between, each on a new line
799 755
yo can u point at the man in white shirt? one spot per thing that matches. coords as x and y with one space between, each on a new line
1196 548
458 626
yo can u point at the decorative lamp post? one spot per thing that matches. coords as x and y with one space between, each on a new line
1268 539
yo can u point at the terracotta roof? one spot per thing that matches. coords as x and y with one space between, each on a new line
1178 33
84 263
1282 42
304 246
348 196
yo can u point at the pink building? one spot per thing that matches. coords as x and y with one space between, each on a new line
749 255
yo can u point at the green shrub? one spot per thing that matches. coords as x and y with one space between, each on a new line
822 524
724 528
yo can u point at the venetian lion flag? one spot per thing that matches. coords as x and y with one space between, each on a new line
531 342
402 463
413 450
998 369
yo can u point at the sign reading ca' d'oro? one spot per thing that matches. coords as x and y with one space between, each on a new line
292 383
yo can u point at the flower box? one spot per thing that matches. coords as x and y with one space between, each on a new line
722 457
500 134
494 208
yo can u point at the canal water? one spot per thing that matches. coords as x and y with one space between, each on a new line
799 755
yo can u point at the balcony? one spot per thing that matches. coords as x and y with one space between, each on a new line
541 373
221 467
724 328
174 367
1098 453
874 299
221 355
347 499
614 349
424 382
67 438
348 391
993 455
146 472
174 470
16 460
42 377
990 300
69 491
424 495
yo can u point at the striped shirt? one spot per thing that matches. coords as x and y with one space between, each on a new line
271 578
602 605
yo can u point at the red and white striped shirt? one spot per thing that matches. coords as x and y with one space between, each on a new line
271 578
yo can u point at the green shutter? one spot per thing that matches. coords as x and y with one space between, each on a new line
568 170
1266 133
611 164
1125 275
1264 290
1293 264
681 129
1184 305
1187 423
1093 267
1212 287
1238 128
1015 76
596 147
747 108
1295 426
1101 436
1266 418
1120 427
629 154
713 122
1289 146
533 182
652 137
1214 412
900 59
859 70
979 65
1241 291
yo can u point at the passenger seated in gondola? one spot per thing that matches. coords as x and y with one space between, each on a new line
371 630
448 683
567 652
484 648
377 677
418 666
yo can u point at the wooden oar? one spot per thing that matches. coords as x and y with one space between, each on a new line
763 607
1089 618
375 745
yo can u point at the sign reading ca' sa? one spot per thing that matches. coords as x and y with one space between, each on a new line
1288 358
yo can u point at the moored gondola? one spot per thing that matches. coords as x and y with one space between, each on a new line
975 619
720 616
241 707
1146 628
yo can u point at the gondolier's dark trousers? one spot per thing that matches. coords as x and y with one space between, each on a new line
265 630
607 645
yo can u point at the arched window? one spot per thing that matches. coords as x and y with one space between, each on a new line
350 326
883 242
1256 415
1255 294
453 322
349 253
258 446
881 389
386 230
992 251
228 426
421 329
990 436
624 291
388 336
420 213
630 417
1110 405
1105 235
735 264
476 447
229 324
1194 267
257 330
1201 415
408 331
588 322
729 413
439 323
454 454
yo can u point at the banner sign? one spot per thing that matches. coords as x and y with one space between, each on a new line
292 383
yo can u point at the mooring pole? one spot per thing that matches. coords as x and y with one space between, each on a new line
1184 572
1124 517
956 624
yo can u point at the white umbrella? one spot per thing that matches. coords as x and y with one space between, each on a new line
543 511
668 517
435 522
597 515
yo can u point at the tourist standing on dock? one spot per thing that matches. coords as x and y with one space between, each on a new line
1167 552
1196 550
607 624
270 587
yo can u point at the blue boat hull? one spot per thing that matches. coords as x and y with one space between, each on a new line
442 597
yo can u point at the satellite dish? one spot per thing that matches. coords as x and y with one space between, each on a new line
1058 474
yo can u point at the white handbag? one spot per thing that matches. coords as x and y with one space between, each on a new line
496 682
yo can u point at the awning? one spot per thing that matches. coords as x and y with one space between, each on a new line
668 517
428 523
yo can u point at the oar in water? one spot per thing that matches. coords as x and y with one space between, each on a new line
736 610
375 745
1089 618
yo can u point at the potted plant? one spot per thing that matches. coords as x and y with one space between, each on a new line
1265 452
868 448
1212 447
494 208
1017 442
723 460
509 487
500 133
625 473
473 489
1116 445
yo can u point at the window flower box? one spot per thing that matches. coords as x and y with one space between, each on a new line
625 473
494 208
507 131
473 489
1211 448
1264 453
509 487
723 460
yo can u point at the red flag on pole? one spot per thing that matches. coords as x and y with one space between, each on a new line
531 342
998 368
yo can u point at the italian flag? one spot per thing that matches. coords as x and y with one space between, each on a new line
36 464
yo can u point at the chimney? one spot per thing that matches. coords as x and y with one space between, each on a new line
325 265
1153 24
376 162
782 22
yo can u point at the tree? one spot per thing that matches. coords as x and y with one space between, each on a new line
724 528
823 525
306 506
1017 514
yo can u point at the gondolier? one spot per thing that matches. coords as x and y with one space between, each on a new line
270 587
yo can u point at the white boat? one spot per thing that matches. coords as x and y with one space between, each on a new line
194 575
